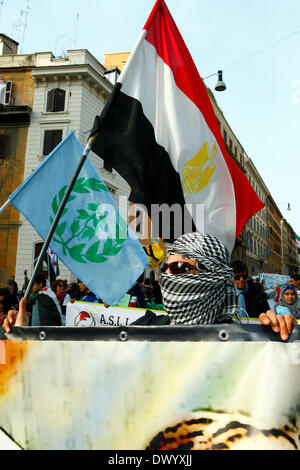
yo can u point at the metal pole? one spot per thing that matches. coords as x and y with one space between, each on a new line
48 269
58 215
5 206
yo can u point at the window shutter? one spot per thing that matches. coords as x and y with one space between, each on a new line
59 100
50 100
8 93
3 145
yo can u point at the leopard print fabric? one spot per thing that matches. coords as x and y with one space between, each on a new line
213 433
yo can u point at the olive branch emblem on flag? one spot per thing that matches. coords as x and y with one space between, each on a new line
90 222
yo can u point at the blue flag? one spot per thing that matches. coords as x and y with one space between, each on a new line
91 239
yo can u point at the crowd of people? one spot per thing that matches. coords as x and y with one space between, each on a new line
46 306
197 285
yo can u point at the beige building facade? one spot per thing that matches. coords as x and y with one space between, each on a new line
257 227
16 106
289 252
66 93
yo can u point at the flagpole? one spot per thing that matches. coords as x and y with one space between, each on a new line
58 215
5 206
48 268
131 57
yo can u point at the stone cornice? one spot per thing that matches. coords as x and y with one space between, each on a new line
45 76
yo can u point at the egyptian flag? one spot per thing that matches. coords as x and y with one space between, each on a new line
158 130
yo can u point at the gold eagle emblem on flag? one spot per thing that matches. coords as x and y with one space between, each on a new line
197 172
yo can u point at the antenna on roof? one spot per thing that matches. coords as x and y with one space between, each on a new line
17 26
22 23
1 7
26 13
76 30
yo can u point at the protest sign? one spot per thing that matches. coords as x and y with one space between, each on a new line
92 314
271 281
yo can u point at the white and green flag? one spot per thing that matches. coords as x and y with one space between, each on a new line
91 238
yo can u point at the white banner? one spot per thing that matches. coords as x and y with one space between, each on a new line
158 395
92 314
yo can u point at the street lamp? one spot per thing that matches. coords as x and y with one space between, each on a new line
220 85
288 205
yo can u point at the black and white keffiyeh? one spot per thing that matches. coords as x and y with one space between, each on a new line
206 297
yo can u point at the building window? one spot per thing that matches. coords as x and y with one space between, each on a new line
8 143
55 100
6 93
225 136
51 140
249 241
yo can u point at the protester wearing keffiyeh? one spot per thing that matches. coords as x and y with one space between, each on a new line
206 297
203 297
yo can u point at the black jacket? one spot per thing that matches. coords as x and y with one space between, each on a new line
150 318
47 311
256 300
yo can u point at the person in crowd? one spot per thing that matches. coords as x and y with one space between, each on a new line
59 288
43 304
295 279
14 299
86 295
197 288
12 281
252 298
288 302
275 293
25 284
137 293
156 292
73 291
5 305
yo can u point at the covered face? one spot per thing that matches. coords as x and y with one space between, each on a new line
204 294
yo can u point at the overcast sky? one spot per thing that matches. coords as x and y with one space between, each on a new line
262 100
